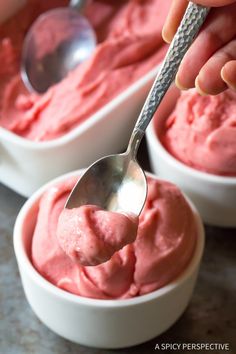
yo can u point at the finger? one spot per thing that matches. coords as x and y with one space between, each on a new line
176 13
209 40
173 19
228 74
209 80
213 3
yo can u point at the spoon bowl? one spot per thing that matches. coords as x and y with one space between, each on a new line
115 182
58 41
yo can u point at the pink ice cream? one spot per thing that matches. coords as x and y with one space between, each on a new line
129 45
90 235
162 249
201 132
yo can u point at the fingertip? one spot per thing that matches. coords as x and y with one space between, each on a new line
205 86
227 72
199 88
179 84
166 36
173 19
222 73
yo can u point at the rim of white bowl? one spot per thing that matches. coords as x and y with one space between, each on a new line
85 125
156 144
26 265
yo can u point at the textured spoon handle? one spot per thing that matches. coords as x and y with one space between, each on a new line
193 19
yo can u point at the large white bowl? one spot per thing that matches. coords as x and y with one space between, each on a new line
101 323
26 165
214 196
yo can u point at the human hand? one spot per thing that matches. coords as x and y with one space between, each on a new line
210 63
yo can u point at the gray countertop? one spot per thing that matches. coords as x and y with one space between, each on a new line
210 316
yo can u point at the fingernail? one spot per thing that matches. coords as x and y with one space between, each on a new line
178 83
165 36
228 83
198 88
222 74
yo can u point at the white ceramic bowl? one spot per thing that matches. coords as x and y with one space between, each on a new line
26 165
214 196
101 323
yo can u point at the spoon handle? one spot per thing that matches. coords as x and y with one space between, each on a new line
192 21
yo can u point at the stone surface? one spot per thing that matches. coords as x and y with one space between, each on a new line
210 316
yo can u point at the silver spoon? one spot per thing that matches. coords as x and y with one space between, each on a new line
56 43
117 182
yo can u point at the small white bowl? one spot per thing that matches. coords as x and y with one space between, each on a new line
101 323
214 196
26 165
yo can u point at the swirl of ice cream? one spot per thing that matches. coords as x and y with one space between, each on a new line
162 249
90 235
201 132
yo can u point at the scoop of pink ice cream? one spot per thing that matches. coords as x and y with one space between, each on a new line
162 249
90 235
201 132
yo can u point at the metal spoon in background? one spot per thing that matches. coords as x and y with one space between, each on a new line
56 43
117 182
